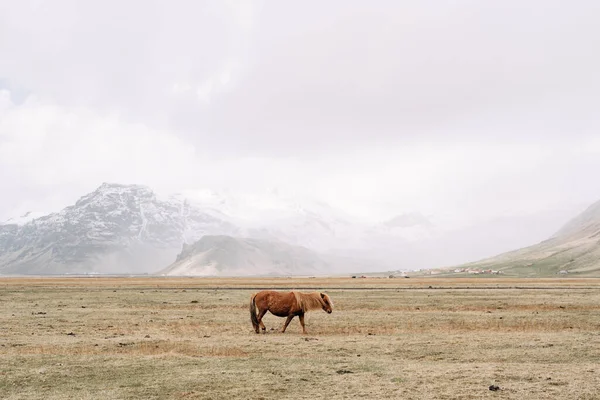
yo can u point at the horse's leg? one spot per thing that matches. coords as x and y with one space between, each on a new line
261 314
262 326
301 316
287 322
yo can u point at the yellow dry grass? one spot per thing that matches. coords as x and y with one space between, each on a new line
169 338
296 282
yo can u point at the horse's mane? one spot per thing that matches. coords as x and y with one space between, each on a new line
310 301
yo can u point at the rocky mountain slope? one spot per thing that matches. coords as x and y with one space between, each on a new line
115 229
574 249
231 256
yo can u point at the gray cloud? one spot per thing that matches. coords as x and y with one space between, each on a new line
466 108
397 72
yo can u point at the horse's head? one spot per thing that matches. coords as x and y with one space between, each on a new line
327 303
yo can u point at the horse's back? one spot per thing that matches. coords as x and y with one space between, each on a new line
278 303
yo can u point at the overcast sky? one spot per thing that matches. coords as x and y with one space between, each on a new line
470 108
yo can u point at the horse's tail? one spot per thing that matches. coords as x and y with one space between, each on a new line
253 316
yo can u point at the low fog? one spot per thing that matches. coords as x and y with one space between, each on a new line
480 117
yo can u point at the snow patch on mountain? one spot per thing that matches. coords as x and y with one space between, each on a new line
23 219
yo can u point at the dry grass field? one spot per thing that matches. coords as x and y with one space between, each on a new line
190 338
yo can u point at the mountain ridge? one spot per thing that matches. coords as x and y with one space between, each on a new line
572 249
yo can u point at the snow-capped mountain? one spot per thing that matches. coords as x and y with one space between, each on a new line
115 229
129 229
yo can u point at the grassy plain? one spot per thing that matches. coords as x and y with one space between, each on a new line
191 338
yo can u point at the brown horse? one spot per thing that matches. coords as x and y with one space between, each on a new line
286 305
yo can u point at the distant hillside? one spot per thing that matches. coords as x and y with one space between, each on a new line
231 256
574 249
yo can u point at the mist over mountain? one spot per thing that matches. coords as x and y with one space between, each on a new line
130 229
230 256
